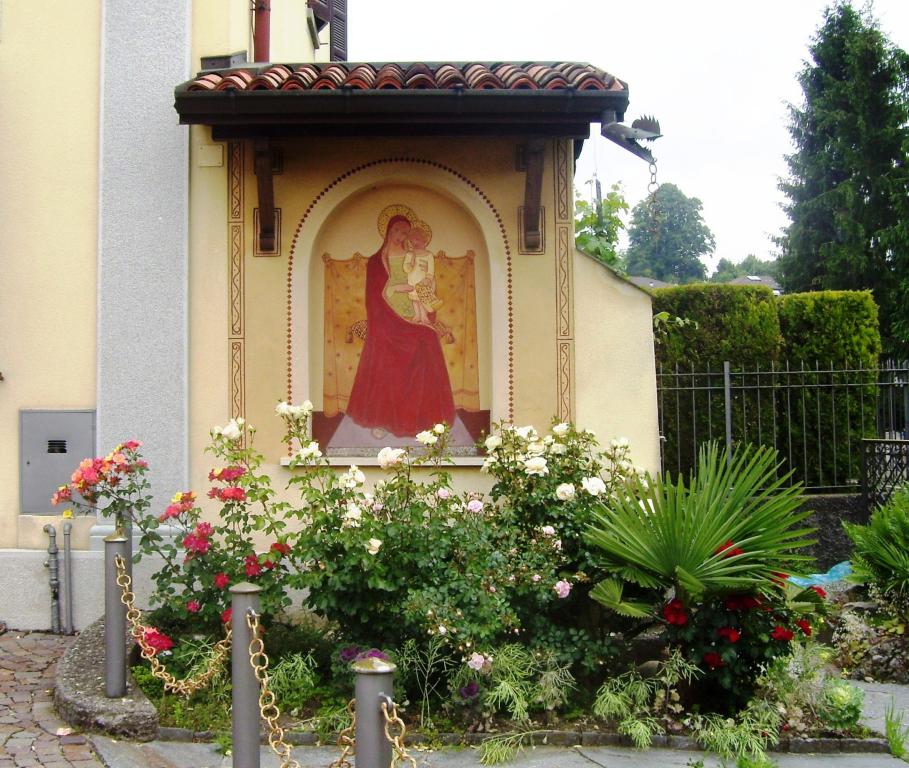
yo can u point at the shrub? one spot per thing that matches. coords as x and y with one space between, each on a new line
718 545
826 330
881 549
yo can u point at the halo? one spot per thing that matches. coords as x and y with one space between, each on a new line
391 211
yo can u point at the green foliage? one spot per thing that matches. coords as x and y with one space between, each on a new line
897 734
750 265
504 747
738 323
881 548
293 680
748 735
667 237
841 704
849 173
669 534
424 670
597 232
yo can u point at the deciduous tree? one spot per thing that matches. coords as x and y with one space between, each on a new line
668 237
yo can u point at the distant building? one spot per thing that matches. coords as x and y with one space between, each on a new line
772 284
648 282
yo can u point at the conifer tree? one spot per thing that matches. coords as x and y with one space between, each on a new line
848 186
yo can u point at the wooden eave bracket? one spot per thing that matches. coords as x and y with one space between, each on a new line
533 187
265 184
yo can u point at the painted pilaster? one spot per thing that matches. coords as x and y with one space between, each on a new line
142 239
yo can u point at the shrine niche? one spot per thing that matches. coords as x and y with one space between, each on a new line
401 295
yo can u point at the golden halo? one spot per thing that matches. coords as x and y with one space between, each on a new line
392 211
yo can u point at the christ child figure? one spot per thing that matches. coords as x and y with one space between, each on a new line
419 266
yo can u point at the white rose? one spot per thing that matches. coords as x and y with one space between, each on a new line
492 442
619 442
536 465
352 516
439 429
488 464
548 530
283 408
526 433
557 449
309 451
426 437
565 492
593 485
390 457
560 430
536 448
353 477
232 430
307 407
240 421
373 546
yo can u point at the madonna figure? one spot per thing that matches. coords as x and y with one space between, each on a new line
401 384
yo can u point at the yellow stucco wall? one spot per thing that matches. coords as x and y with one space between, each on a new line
49 226
615 380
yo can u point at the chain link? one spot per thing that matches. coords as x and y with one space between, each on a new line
653 208
397 740
185 687
258 659
346 739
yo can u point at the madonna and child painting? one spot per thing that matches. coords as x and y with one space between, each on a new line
400 341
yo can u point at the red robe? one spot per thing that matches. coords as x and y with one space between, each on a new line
401 382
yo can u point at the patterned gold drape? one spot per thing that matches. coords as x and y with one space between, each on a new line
345 327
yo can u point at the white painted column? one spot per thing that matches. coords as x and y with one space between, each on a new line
143 240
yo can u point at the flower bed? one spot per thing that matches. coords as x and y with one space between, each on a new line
509 613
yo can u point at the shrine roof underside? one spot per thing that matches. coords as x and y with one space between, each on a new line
429 98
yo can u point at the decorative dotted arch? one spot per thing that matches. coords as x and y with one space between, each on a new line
414 161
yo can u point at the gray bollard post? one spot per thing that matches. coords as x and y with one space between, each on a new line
245 702
374 682
114 618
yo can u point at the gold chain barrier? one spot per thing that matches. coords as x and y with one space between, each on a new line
185 687
346 739
267 706
397 739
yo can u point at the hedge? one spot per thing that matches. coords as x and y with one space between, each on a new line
754 330
738 323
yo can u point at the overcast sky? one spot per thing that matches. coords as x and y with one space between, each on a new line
716 73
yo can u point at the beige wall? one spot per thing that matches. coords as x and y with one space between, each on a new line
615 379
48 221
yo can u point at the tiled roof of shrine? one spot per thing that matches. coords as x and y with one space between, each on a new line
387 99
475 76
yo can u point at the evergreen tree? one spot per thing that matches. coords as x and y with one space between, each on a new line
668 237
848 187
727 270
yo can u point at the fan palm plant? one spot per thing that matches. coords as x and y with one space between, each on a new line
881 548
732 527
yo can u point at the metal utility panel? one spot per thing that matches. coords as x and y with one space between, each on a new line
51 445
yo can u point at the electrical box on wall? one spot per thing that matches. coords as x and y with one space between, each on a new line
51 445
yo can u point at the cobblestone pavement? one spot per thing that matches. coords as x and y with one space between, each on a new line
30 732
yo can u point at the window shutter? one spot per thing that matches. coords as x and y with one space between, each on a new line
338 30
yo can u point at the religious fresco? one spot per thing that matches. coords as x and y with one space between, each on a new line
400 350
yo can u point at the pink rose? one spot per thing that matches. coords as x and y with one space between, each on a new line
193 606
562 588
475 506
443 493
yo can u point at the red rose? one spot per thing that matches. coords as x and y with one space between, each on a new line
674 613
157 640
820 592
221 580
193 606
252 566
227 615
729 549
729 633
781 633
281 548
804 626
714 660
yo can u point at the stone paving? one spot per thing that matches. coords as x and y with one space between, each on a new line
30 732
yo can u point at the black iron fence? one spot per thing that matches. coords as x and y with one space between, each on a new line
885 467
815 416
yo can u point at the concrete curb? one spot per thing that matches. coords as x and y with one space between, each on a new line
79 693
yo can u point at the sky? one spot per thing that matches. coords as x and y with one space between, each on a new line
717 74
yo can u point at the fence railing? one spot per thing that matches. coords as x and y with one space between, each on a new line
816 416
885 467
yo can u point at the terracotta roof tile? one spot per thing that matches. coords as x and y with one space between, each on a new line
507 76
